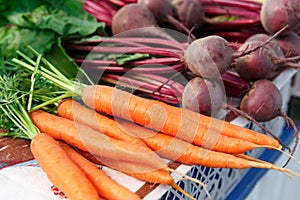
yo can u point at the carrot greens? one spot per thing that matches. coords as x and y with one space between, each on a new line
20 93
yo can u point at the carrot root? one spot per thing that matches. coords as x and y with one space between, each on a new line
189 178
167 119
61 170
88 139
105 186
281 151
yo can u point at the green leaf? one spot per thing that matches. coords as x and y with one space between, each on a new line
61 60
13 38
63 17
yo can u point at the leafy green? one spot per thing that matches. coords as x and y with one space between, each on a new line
13 38
60 58
44 24
55 19
65 17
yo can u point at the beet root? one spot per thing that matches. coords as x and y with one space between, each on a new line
203 96
290 44
263 37
159 8
258 64
124 24
189 12
208 57
275 14
263 101
123 20
266 62
162 10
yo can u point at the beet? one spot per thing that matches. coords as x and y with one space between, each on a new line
162 11
263 37
290 44
210 56
275 14
123 20
144 24
263 102
189 12
203 96
258 64
159 8
264 63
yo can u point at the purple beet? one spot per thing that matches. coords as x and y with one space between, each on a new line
208 57
263 37
258 64
136 20
264 63
263 102
203 96
189 12
275 14
163 12
290 44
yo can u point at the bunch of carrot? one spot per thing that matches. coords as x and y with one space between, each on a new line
132 134
135 149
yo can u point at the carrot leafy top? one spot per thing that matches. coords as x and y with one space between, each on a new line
27 88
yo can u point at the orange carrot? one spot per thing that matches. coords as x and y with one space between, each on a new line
73 110
61 170
224 127
164 145
232 130
183 152
88 139
138 171
152 114
105 186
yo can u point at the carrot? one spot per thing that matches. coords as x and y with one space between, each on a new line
232 130
183 152
164 145
104 185
60 169
73 110
88 139
151 114
137 170
224 127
